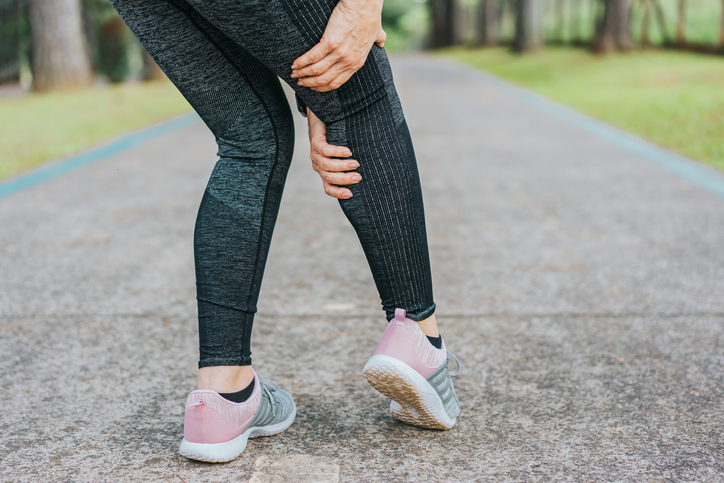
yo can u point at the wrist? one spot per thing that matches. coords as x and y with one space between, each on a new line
357 5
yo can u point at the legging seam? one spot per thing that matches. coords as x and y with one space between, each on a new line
249 295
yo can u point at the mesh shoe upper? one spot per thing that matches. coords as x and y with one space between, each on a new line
275 405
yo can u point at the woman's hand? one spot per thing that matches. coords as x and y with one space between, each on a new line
351 30
323 161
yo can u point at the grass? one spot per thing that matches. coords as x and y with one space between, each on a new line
674 99
39 127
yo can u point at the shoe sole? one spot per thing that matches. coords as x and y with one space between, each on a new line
414 400
227 451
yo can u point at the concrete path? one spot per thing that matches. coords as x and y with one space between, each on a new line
581 286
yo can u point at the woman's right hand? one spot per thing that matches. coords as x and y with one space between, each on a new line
333 171
353 28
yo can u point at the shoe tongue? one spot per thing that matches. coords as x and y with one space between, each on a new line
400 315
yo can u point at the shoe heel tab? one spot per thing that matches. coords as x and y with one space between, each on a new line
400 315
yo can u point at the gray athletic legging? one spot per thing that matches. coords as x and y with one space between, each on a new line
224 56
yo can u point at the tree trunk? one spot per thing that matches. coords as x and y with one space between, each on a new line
613 31
561 20
442 13
576 22
59 55
661 19
527 25
489 27
721 30
646 26
681 24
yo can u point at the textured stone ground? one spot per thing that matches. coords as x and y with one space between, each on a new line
580 286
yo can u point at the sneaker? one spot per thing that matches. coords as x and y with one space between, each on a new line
216 429
412 372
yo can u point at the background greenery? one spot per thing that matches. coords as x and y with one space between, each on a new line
675 99
42 126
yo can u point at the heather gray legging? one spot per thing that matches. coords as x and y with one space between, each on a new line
225 56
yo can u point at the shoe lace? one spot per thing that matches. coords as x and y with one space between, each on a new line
268 388
457 371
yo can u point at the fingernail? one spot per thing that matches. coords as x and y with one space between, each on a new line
300 83
294 76
348 153
356 177
294 67
347 195
354 165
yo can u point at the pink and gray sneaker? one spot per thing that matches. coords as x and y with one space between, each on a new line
408 369
216 429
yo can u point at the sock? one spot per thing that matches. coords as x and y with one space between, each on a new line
436 341
241 396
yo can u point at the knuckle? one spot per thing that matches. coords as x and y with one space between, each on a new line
335 85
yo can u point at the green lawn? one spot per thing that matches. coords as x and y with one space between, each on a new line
674 99
39 127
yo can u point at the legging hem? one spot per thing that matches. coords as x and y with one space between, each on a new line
242 361
416 316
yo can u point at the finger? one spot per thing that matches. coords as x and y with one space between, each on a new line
336 83
312 70
327 78
381 37
337 192
317 53
329 164
340 179
320 145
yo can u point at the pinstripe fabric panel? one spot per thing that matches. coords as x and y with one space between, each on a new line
225 57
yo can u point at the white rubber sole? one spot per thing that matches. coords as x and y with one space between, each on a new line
227 451
414 400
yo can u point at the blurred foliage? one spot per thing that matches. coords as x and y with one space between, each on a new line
672 98
14 38
406 24
109 40
36 127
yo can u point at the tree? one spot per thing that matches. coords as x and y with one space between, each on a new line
442 13
527 25
58 50
613 30
721 31
681 24
489 22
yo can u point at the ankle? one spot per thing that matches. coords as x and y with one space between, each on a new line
429 326
225 379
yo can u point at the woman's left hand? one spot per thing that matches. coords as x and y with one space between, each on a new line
352 29
335 172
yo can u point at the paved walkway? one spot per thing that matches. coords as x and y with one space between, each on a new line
581 286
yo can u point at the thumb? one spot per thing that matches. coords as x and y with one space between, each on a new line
381 37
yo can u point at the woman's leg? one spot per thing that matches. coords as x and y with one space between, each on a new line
365 115
242 102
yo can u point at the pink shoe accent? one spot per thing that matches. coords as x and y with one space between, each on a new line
404 340
212 419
